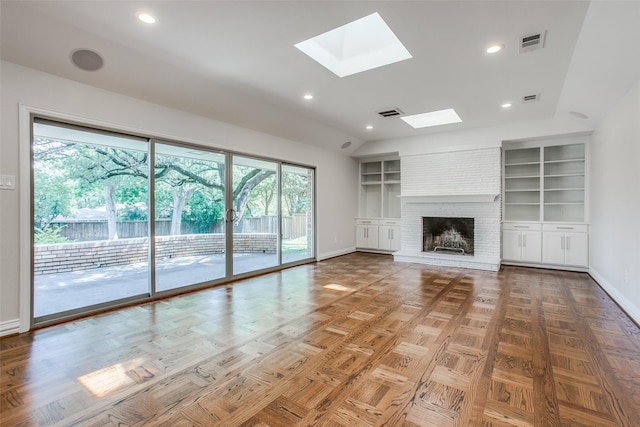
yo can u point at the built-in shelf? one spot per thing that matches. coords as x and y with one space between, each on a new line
544 183
379 188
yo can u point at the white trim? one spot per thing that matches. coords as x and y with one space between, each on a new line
451 198
24 274
333 254
9 327
632 310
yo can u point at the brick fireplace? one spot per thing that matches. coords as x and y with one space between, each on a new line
461 184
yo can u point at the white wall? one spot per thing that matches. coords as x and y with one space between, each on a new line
615 202
336 174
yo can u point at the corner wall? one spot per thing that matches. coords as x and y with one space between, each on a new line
615 203
336 174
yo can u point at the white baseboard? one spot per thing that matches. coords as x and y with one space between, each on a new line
631 309
9 327
334 254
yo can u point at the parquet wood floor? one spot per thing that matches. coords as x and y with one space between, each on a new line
353 341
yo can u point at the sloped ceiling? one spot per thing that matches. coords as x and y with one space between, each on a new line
235 61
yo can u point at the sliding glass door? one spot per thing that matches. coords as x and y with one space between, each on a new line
297 213
216 215
256 225
90 199
189 201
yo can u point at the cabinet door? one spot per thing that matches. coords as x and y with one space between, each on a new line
384 238
531 246
395 238
367 236
576 249
372 237
361 236
388 238
511 244
553 247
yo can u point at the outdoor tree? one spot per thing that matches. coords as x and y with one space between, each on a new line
121 175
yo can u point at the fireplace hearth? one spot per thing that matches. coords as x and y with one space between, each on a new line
453 236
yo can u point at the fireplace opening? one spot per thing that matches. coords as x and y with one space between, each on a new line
447 235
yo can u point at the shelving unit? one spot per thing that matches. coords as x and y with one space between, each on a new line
378 226
544 197
564 173
522 184
380 188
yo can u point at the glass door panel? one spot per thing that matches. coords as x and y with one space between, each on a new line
189 216
255 215
90 199
297 213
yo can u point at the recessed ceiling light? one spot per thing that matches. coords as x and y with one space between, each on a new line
146 18
434 118
506 105
495 48
308 97
359 46
368 127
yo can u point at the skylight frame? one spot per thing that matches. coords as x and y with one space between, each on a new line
362 45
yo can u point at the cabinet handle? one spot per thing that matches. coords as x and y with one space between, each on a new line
562 243
519 240
524 241
393 236
521 226
564 228
567 242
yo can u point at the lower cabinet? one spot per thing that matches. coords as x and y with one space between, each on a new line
522 242
565 245
389 236
367 236
378 234
546 243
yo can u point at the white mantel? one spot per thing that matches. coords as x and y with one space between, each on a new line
456 184
450 198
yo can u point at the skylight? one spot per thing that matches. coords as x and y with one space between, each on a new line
359 46
434 118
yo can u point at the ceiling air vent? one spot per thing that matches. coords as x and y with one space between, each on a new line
391 113
530 98
532 42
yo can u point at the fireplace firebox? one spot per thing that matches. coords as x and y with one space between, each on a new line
452 236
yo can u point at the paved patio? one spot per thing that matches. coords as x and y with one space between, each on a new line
56 293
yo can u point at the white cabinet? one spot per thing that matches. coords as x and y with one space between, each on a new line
378 228
545 202
367 233
389 235
522 242
565 244
378 234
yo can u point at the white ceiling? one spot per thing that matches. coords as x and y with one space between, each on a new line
235 61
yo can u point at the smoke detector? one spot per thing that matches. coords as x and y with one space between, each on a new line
532 42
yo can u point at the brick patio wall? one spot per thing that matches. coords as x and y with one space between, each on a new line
66 257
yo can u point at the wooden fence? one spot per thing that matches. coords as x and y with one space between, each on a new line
83 231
